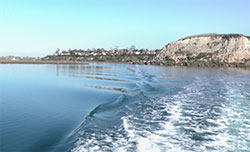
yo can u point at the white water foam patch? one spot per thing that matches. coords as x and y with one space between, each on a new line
234 123
101 142
214 135
168 137
154 140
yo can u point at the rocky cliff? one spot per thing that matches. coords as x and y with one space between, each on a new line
207 49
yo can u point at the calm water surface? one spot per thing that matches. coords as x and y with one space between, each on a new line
119 107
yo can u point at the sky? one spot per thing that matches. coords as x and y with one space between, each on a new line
39 27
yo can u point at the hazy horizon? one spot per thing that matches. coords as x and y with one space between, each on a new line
38 28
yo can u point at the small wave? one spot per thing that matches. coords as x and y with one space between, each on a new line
101 109
97 74
102 78
105 88
133 71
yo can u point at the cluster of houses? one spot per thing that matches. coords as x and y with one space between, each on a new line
102 52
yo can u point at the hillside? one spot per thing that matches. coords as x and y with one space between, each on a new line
207 50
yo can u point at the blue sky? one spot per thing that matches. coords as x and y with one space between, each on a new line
38 27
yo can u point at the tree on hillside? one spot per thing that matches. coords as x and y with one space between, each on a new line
132 48
57 50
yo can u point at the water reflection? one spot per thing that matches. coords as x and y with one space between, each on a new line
78 69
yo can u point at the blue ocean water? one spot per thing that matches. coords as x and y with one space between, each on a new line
120 107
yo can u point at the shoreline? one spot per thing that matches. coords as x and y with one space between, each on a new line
76 62
38 62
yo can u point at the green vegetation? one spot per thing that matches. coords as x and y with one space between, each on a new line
132 59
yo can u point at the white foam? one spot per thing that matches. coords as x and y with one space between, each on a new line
158 140
232 132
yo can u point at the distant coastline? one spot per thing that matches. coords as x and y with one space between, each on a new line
37 62
204 50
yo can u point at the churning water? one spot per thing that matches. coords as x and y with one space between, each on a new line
119 107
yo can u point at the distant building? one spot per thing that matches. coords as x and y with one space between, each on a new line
65 53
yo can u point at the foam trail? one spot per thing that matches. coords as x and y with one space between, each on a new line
205 115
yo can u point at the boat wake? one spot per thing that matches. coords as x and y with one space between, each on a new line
204 115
